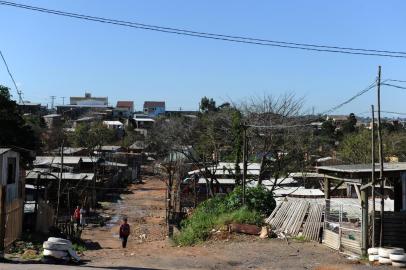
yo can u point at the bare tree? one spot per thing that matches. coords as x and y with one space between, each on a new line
277 135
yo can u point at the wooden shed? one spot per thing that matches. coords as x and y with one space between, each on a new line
394 222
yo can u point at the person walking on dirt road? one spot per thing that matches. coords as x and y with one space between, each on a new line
124 232
76 216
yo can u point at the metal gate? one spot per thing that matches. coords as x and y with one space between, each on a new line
342 226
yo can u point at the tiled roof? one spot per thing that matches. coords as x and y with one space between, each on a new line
148 104
125 104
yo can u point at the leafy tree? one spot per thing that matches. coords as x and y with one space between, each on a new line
207 105
92 136
14 131
349 125
356 147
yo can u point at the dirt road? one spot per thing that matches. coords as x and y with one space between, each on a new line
144 206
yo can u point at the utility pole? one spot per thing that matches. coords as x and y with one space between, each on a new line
59 184
373 175
63 100
382 189
52 102
244 157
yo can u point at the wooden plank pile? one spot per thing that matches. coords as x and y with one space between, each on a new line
313 223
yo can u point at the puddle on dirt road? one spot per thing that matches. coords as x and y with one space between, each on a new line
115 219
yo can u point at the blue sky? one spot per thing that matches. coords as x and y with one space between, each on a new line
52 55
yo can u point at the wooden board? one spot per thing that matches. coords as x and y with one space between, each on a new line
313 223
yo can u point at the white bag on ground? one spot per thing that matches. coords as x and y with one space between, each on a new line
56 246
55 253
59 241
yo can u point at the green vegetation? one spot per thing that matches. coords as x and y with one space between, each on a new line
15 131
79 247
301 238
219 211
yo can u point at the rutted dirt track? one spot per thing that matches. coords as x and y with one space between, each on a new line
144 205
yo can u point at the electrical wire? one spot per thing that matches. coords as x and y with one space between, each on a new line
12 78
230 38
395 86
350 99
279 126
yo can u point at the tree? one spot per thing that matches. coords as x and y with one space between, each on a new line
356 147
280 150
92 136
207 105
14 131
349 125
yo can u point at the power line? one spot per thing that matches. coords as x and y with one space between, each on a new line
350 99
391 80
395 86
230 38
400 113
12 78
278 126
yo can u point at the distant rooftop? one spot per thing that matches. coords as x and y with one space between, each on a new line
125 104
363 168
148 104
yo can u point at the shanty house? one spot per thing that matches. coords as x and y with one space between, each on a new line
154 108
349 230
12 183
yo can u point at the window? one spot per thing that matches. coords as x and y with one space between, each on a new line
11 170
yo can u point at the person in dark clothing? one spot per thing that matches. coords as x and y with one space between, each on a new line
124 232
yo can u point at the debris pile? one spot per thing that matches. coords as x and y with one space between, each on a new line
59 249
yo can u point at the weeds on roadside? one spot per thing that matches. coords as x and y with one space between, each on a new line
216 212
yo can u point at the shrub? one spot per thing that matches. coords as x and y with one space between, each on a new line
219 211
257 198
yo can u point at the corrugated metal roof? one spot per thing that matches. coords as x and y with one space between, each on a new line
33 174
298 191
110 147
4 150
46 160
363 168
221 181
116 123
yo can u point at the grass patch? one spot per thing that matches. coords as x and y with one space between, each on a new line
301 238
79 248
217 212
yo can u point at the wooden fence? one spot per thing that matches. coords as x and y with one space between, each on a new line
14 221
45 217
394 229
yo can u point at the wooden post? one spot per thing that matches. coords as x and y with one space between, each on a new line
244 155
327 196
373 176
364 228
59 184
3 194
381 179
